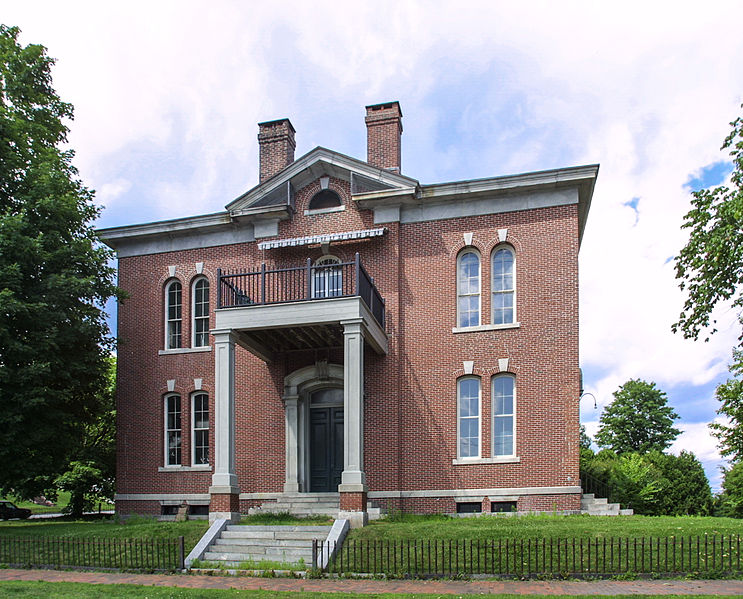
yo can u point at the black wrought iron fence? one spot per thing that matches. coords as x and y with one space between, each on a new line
127 554
708 554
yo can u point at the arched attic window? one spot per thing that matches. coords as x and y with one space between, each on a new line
326 198
173 314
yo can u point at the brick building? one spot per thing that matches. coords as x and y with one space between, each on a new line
344 331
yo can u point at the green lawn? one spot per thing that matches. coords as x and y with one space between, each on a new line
55 590
285 518
544 527
63 498
107 528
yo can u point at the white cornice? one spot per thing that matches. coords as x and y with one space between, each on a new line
112 235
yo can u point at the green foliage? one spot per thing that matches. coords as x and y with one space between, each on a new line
54 280
731 498
652 484
585 440
730 395
684 486
635 483
638 420
90 474
710 266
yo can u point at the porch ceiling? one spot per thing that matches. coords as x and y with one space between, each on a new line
298 337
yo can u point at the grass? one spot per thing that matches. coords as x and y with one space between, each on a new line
56 590
107 528
63 499
410 527
263 564
285 518
98 542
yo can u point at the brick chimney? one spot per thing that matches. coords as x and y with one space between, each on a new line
276 142
383 131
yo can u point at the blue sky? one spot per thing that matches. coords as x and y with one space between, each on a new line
168 95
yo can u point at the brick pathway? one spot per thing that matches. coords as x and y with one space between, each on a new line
443 587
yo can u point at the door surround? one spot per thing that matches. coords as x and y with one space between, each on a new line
298 386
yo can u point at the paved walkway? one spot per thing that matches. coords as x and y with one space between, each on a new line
442 587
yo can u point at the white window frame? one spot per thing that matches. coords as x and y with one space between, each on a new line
494 416
512 291
167 430
194 318
478 417
326 274
462 254
194 430
169 320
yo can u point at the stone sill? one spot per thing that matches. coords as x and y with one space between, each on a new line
498 460
486 327
204 468
324 210
184 350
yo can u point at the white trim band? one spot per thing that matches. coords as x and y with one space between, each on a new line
474 492
326 238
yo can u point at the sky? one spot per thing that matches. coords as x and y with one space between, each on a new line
168 95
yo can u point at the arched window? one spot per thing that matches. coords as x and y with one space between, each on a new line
504 286
504 415
326 198
468 289
173 430
173 314
200 429
468 417
327 278
200 312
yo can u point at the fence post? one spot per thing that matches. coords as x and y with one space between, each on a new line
219 288
309 278
357 266
182 553
263 283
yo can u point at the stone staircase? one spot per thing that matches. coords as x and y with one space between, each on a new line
598 506
310 504
239 544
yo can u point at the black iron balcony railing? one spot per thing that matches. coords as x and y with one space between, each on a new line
299 284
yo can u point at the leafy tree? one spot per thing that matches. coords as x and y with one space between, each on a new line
730 395
90 474
638 420
54 280
636 483
731 498
710 266
684 485
585 440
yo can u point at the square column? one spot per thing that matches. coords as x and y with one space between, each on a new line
353 479
291 483
225 492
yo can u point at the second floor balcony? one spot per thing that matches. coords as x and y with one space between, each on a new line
300 307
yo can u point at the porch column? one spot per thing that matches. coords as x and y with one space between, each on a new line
291 484
225 492
353 479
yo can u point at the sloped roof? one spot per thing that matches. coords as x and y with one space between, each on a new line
318 162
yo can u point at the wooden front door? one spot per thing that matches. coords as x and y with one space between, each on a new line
326 448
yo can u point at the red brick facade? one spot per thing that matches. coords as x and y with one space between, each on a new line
410 394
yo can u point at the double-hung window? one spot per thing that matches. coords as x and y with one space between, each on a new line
468 417
201 312
200 436
173 314
468 289
173 430
502 283
504 404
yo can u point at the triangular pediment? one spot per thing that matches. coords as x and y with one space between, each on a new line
279 189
